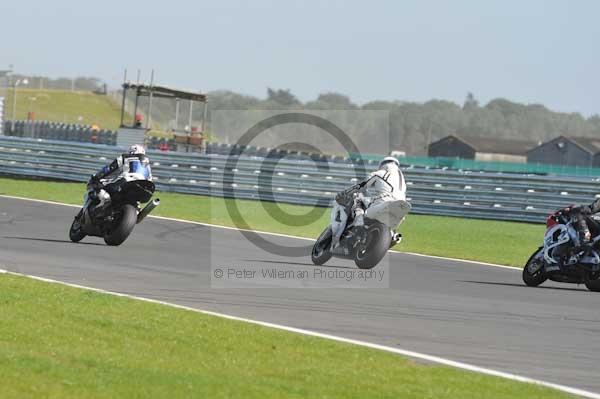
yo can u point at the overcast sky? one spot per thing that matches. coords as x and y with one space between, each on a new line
528 51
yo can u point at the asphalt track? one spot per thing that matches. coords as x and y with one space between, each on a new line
466 312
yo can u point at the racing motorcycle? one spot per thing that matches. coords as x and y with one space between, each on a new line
115 218
559 259
366 244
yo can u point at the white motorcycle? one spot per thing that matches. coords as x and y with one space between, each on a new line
367 244
559 259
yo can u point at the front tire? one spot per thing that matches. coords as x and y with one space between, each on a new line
76 233
533 272
123 227
321 250
369 254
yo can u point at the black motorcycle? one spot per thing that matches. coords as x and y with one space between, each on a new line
115 219
561 259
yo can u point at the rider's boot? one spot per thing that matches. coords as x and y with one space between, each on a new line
359 217
585 236
335 242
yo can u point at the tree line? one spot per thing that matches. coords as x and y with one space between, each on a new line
411 127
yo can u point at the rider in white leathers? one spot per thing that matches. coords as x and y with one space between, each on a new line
385 184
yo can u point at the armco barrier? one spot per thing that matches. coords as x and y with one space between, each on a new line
498 196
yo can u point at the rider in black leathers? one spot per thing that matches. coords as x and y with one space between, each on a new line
587 227
96 193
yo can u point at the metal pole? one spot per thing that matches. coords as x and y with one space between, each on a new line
124 95
137 97
176 113
191 114
14 115
149 119
204 115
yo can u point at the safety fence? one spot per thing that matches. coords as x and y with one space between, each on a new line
491 166
48 130
499 196
507 167
59 131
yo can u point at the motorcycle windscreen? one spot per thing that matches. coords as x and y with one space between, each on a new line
136 166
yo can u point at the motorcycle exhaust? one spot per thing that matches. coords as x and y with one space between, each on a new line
147 209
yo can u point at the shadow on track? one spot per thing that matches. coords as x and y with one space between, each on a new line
51 240
296 263
523 285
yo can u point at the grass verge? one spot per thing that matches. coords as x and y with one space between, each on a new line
62 342
66 106
505 243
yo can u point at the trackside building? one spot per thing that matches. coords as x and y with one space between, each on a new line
567 151
481 148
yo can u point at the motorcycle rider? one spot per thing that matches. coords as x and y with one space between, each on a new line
135 160
586 226
385 184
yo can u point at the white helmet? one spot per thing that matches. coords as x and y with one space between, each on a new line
389 159
137 149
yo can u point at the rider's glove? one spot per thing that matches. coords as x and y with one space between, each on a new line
95 181
341 198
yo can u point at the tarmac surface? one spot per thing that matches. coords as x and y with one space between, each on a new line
477 314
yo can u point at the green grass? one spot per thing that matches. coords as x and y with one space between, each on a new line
503 243
62 342
65 106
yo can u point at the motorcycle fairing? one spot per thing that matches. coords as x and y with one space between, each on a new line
391 212
556 236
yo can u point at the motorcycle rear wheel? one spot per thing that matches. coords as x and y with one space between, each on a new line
321 250
593 285
532 276
369 254
123 226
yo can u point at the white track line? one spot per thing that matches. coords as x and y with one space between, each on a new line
473 262
403 352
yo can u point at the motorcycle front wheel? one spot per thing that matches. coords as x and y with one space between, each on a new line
378 241
320 251
122 227
76 233
533 272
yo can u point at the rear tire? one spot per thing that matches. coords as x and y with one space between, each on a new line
124 226
593 285
76 233
321 250
533 274
379 239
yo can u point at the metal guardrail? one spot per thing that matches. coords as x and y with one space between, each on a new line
445 192
49 130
